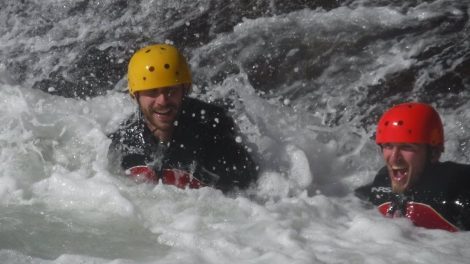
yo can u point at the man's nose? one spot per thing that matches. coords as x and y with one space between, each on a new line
161 98
395 155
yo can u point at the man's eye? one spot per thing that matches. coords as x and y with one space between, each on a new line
407 147
386 146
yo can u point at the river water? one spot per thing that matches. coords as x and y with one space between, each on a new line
305 81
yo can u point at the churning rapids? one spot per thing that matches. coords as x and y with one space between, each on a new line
305 80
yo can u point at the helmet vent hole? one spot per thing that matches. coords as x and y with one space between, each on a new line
386 123
167 66
145 78
151 69
398 123
147 51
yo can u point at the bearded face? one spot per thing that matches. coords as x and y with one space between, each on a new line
405 163
160 108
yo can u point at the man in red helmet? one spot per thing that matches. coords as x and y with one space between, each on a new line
413 183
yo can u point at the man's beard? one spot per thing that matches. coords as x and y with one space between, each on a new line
156 123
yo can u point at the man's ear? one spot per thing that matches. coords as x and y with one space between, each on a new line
187 89
435 154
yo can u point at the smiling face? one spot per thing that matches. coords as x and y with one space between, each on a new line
160 108
405 163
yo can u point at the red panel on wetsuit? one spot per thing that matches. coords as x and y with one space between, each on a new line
425 216
142 174
180 179
422 215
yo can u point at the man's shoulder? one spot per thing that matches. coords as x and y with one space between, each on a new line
457 174
205 114
193 105
379 187
448 172
458 167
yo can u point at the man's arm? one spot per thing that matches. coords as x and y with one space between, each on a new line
126 153
363 192
228 156
380 180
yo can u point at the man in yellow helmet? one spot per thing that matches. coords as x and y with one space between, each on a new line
176 139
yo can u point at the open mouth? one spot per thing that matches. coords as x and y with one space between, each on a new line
164 114
399 173
165 111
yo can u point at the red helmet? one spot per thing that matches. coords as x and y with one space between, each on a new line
411 123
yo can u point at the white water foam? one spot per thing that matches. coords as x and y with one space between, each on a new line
59 203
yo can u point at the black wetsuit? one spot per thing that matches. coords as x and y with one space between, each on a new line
440 200
204 143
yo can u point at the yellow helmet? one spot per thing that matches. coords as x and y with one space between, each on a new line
157 66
